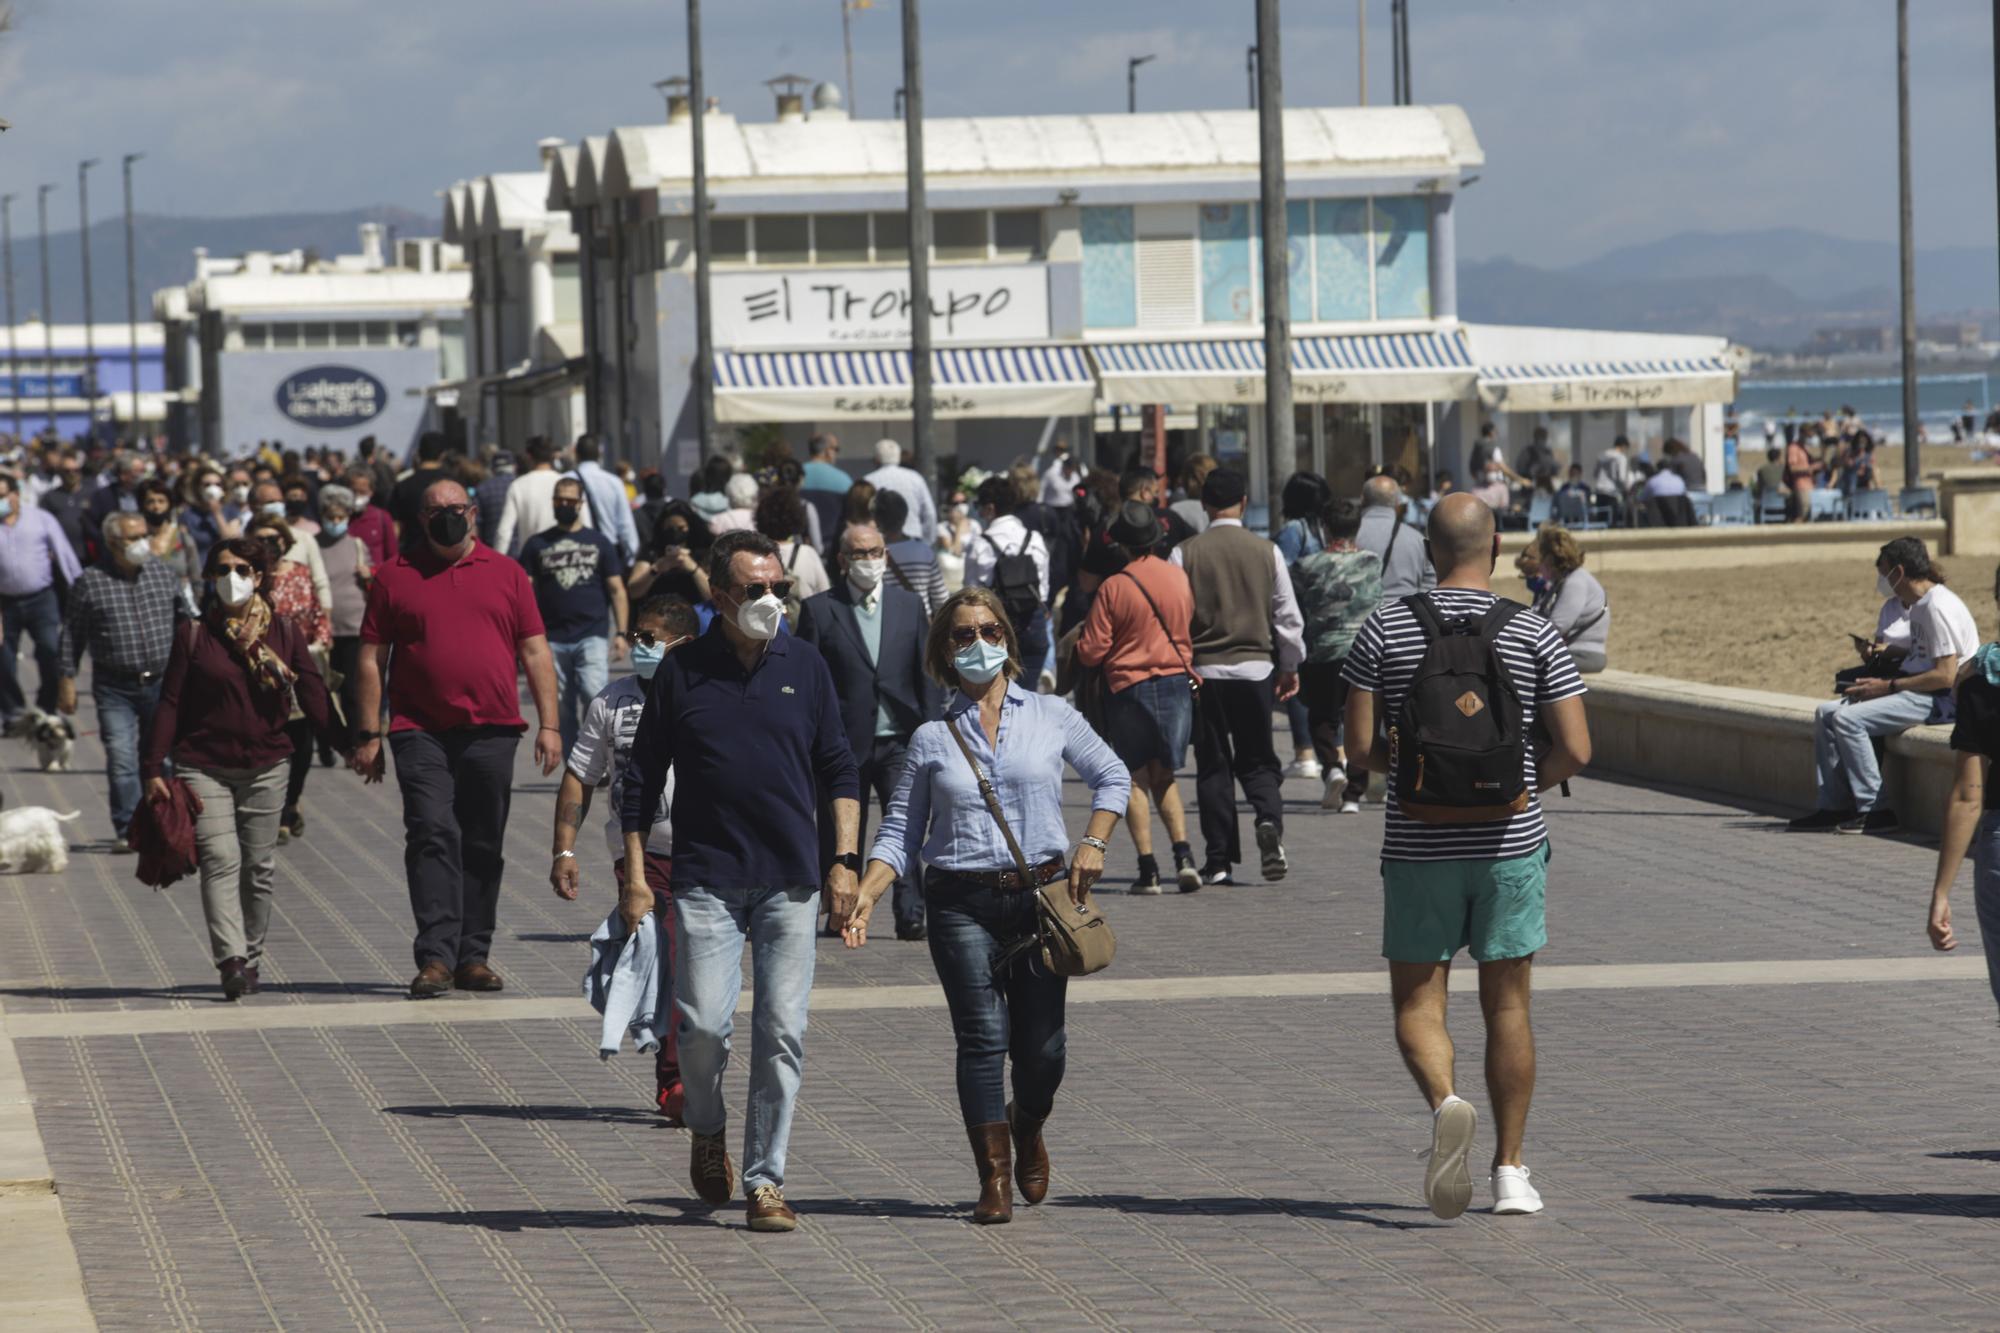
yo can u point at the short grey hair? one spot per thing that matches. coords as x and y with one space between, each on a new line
1381 492
340 497
741 490
888 453
115 520
847 533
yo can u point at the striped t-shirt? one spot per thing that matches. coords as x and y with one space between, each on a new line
1384 659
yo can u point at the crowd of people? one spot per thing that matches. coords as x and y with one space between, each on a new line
807 646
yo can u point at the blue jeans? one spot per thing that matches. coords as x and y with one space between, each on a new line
124 715
583 669
1018 1014
1849 777
1301 723
40 614
781 925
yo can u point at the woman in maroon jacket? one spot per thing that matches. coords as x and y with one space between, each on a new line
229 688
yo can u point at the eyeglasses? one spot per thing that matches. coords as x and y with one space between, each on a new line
753 592
867 552
645 638
460 510
992 631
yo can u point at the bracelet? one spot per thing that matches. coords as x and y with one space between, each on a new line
1088 841
560 855
556 730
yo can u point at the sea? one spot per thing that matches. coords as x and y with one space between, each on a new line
1941 399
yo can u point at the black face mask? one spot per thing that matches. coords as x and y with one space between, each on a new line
295 509
155 521
446 528
565 515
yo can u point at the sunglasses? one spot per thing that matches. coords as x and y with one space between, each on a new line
645 638
752 592
992 631
460 510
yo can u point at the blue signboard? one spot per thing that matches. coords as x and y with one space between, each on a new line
332 397
38 386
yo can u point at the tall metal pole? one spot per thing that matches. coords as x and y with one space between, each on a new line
1278 423
918 203
1132 82
89 327
13 353
48 310
1912 450
1403 29
847 46
132 291
1361 44
1250 70
704 344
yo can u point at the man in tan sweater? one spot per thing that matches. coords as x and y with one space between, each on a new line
1248 643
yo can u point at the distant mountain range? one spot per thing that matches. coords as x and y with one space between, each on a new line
1769 289
163 250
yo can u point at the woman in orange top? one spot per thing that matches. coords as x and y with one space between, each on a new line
1137 633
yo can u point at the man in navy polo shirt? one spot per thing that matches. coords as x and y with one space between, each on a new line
747 719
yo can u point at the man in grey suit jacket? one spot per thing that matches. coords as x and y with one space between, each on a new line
871 632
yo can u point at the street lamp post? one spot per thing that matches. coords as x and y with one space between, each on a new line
1132 81
1278 424
131 290
1250 69
89 328
13 354
48 316
704 343
917 201
1912 450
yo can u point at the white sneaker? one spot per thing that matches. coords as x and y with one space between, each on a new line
1447 1184
1350 807
1512 1193
1303 768
1336 783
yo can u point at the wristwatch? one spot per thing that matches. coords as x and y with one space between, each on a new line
367 735
849 861
1087 841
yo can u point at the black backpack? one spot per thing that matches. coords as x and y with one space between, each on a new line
1017 582
1456 744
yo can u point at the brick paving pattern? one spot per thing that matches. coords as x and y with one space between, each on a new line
1722 1157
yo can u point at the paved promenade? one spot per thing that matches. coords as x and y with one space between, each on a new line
1764 1103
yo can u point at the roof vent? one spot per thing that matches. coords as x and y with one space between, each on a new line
548 148
791 94
680 106
371 246
827 102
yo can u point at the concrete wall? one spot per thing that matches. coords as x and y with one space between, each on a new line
1750 744
1741 547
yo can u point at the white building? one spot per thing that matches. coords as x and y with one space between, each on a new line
524 372
1083 264
286 347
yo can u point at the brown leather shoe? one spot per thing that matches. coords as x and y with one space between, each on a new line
477 976
431 981
770 1212
710 1170
1031 1157
994 1157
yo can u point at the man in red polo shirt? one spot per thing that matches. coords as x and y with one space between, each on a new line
457 616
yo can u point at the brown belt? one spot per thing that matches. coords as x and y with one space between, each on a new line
1051 869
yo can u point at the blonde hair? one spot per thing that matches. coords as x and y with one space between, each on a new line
1556 547
938 649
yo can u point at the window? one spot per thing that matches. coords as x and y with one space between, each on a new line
892 238
569 289
347 335
1110 295
728 240
1017 234
255 335
284 335
784 240
316 335
406 334
958 235
376 332
840 238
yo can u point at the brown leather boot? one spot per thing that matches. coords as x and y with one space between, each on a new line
1031 1156
991 1154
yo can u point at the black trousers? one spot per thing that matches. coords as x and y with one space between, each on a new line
881 768
456 787
1232 743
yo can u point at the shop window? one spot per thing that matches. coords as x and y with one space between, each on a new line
892 238
1402 258
840 238
958 235
728 240
1227 287
784 240
1017 234
1342 275
1110 295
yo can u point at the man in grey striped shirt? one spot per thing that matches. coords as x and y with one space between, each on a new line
1478 886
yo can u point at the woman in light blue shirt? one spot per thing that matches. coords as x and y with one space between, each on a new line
977 903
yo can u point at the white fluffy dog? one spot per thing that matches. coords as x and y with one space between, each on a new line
32 841
52 736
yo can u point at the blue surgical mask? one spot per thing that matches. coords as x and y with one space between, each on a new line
6 505
979 662
272 509
646 660
335 530
1537 584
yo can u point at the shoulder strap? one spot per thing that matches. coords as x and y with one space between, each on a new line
897 569
1426 616
792 560
1171 640
992 799
1497 617
1395 531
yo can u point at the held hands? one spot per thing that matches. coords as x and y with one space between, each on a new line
1086 867
847 909
1942 938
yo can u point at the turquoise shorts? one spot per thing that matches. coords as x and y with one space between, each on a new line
1494 909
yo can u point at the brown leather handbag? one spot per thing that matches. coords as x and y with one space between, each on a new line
1075 941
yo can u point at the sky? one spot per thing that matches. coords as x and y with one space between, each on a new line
1605 122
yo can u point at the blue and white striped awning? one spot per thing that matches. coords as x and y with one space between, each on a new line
1029 381
1554 386
1359 367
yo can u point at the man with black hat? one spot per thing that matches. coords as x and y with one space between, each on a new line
1137 634
1244 617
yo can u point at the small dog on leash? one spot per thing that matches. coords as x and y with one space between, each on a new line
52 735
32 841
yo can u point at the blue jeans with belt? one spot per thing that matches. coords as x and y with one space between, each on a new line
40 614
125 707
1018 1014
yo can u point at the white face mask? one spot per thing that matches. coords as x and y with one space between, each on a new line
211 493
138 552
867 574
360 502
1883 587
235 587
760 619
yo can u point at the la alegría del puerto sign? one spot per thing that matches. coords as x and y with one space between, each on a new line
332 396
